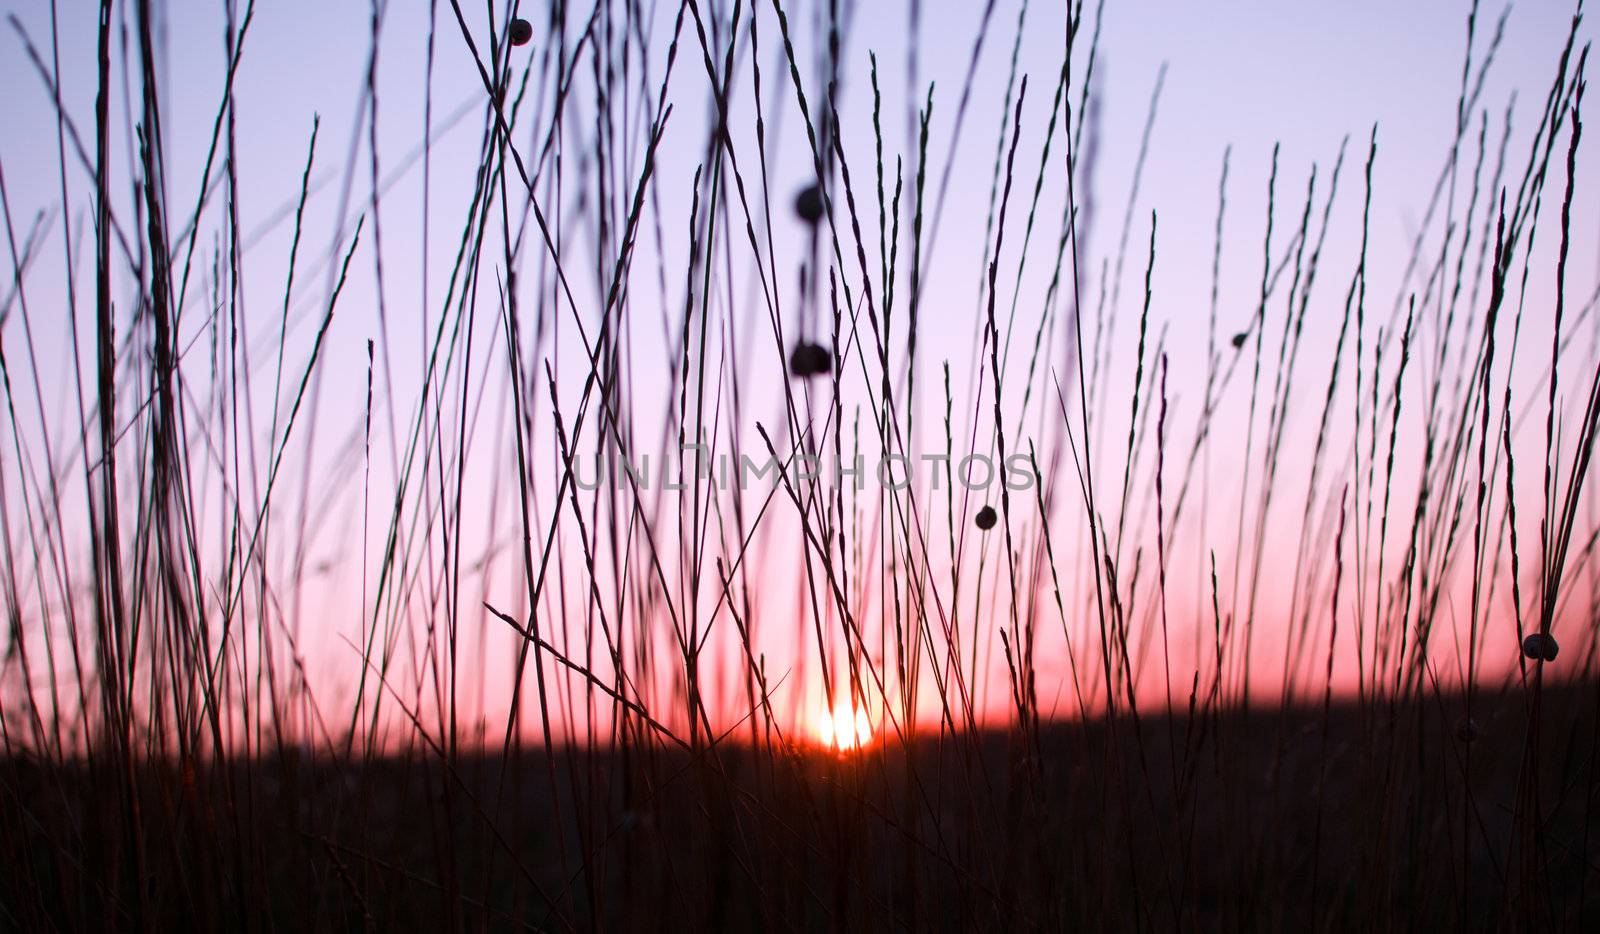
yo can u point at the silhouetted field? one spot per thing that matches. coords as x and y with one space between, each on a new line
1268 819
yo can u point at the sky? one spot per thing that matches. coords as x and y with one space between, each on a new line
1249 79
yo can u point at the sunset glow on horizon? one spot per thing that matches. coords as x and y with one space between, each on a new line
409 478
842 727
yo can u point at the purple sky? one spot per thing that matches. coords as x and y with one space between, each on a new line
1246 74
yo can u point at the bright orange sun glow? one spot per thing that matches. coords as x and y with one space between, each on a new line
842 729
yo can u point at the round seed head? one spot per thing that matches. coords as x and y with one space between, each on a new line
986 518
808 359
521 31
1540 646
808 204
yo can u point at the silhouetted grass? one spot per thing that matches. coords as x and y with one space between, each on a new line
573 697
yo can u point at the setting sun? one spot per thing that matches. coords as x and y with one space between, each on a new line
838 729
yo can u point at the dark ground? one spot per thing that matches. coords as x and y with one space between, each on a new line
1267 823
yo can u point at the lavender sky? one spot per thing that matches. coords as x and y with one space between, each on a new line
1249 76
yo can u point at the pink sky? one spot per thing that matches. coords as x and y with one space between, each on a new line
1247 75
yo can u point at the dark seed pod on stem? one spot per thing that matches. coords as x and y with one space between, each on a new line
808 359
521 31
1540 646
986 518
808 204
